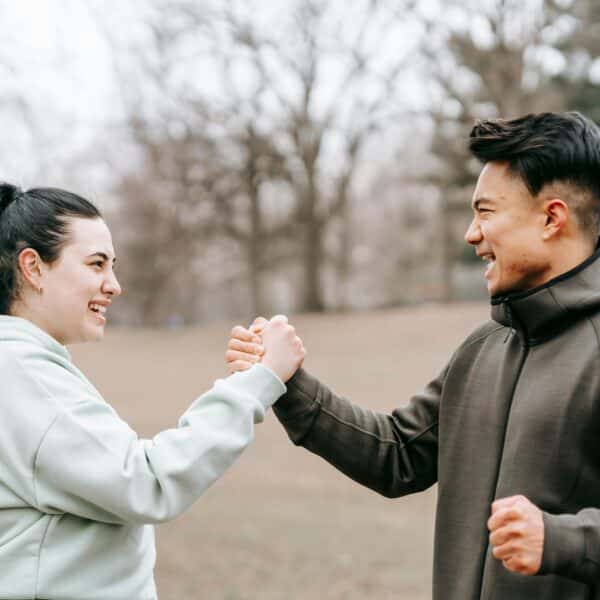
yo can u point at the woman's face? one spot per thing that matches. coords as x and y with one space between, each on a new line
79 286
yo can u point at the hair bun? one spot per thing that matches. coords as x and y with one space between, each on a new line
8 194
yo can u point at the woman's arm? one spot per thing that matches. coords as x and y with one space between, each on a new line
90 463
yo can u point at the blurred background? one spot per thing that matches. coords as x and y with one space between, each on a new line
306 157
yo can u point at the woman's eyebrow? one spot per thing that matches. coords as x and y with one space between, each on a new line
102 255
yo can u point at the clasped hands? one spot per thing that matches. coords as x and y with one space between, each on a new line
516 525
274 343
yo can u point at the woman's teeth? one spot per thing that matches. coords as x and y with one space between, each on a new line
98 308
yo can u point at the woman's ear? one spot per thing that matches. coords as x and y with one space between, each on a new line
31 267
557 215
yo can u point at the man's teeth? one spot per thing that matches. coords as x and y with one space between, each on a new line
98 308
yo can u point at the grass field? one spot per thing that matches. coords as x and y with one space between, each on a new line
282 524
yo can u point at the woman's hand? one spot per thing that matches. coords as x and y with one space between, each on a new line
274 343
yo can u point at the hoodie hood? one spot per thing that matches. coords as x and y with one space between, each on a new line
16 329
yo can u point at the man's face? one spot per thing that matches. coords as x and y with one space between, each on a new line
506 230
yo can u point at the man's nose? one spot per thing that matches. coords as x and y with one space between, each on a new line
473 233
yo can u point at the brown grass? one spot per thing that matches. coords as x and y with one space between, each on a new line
282 524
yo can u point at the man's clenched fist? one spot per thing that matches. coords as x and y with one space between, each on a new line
517 534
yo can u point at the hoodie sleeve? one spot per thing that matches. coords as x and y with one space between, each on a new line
90 463
393 454
572 545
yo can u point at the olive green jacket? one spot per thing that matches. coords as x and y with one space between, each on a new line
515 411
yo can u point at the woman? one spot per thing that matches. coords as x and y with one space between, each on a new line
79 491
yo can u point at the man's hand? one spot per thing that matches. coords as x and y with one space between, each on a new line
243 350
273 342
517 534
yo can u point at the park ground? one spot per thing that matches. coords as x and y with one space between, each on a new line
282 524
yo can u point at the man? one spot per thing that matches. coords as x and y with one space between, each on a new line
510 429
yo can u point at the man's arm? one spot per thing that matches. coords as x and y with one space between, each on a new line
392 454
572 545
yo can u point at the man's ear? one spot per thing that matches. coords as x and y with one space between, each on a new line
31 267
557 215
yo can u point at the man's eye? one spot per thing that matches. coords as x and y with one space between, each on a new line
99 264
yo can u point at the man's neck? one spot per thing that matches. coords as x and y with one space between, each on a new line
571 255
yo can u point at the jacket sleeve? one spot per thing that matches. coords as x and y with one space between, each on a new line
572 545
392 454
91 463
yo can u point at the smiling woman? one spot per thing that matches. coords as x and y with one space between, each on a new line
57 259
79 491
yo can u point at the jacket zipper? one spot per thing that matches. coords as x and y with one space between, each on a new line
513 318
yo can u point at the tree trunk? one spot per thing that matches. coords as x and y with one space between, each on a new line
254 251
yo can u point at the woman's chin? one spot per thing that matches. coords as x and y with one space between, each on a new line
89 334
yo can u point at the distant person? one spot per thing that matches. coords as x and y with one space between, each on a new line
78 489
510 429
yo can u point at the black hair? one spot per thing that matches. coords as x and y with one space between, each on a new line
38 219
548 148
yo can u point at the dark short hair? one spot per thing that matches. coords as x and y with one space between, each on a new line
38 219
548 148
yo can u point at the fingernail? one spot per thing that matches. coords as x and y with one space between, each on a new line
261 350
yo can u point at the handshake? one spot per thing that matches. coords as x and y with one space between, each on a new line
273 343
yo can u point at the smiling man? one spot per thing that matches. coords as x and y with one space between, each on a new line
510 429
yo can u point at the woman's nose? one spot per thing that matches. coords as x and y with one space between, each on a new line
111 286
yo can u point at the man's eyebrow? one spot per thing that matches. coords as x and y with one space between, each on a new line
481 199
102 255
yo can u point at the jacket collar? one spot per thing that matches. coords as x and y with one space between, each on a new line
545 311
18 329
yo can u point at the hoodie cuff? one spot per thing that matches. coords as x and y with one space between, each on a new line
564 545
261 382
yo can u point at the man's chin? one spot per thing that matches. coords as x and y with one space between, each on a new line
494 289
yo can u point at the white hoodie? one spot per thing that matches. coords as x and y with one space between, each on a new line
79 490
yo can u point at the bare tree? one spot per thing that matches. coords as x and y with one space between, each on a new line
285 136
301 113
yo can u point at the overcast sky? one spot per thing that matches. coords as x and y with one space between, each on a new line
55 56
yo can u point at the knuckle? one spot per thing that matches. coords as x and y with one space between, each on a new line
517 513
